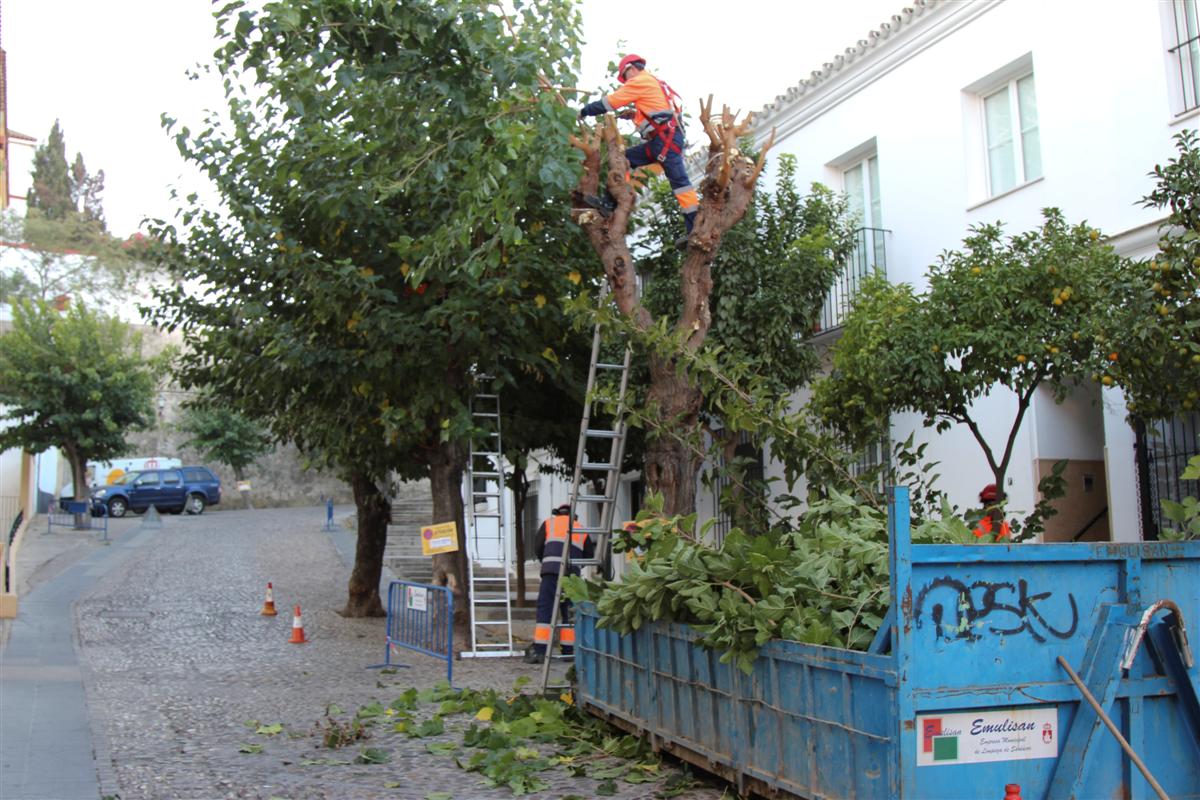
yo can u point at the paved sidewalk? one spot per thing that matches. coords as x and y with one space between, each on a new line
46 747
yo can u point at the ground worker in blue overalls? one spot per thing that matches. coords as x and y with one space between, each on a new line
552 536
657 113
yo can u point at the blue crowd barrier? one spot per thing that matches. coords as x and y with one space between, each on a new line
421 617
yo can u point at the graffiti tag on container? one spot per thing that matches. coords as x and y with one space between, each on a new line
1002 608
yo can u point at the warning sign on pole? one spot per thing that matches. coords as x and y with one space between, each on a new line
439 538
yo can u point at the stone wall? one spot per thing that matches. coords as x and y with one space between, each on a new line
277 479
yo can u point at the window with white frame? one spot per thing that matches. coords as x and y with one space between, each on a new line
861 182
1183 48
1014 154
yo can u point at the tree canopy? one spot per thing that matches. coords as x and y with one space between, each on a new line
1018 312
1150 342
62 244
74 380
392 224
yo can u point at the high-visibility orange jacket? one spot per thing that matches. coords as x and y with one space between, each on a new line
647 96
552 535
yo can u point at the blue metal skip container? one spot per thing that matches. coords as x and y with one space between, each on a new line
961 694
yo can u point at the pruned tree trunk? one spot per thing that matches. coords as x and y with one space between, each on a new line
446 465
673 457
374 512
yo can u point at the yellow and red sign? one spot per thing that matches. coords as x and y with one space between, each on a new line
439 538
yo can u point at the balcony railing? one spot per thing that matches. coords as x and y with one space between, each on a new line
867 257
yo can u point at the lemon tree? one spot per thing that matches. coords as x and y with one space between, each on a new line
1151 345
1020 312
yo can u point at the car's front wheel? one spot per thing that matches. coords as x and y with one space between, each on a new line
195 504
117 507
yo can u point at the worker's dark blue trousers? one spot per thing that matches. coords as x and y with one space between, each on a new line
672 166
545 608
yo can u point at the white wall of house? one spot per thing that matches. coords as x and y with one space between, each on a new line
913 97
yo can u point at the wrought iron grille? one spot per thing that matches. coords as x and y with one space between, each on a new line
868 255
754 475
1163 450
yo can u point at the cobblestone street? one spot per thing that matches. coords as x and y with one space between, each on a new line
177 660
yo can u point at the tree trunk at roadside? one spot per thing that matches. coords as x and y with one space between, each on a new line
239 476
374 512
446 465
673 454
79 485
520 495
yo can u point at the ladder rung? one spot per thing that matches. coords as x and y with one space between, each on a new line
481 623
589 529
485 454
487 579
594 498
609 366
598 465
485 474
486 396
600 434
488 414
485 601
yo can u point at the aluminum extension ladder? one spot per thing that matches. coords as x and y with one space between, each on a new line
487 534
604 504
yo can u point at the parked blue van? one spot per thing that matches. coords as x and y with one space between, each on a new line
190 489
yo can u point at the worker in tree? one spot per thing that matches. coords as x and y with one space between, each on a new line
657 113
552 537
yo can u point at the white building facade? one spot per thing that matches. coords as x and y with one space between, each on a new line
956 113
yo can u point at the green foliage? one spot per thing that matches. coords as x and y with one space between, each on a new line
770 276
51 191
223 435
1185 514
825 582
73 380
1021 312
414 225
513 740
1150 343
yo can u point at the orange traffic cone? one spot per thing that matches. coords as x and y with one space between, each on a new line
269 603
1012 791
297 629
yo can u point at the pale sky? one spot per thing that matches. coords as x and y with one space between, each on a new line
109 69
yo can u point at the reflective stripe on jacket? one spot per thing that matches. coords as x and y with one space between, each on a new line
556 529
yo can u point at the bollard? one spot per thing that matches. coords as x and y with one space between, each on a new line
1012 791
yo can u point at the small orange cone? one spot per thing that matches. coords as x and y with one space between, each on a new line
297 629
269 603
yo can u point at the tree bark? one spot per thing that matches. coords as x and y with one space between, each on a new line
239 476
446 465
672 457
520 495
79 483
374 513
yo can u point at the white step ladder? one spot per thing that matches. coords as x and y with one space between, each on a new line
487 533
603 506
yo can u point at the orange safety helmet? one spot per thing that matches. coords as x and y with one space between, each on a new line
628 61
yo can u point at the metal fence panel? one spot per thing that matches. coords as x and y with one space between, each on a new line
421 617
77 516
